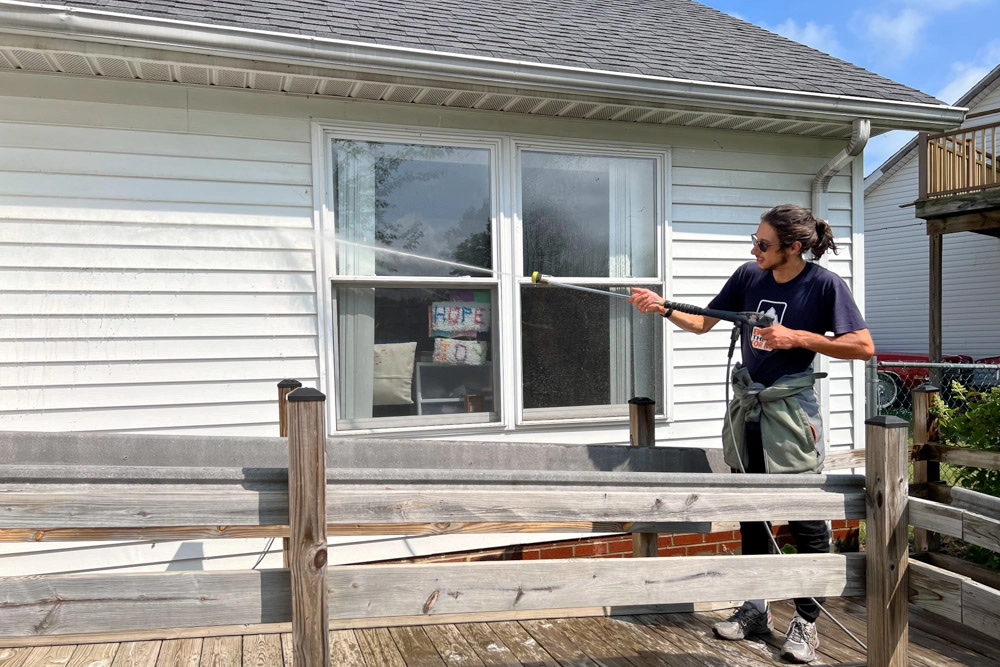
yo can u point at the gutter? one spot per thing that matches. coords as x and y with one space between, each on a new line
250 44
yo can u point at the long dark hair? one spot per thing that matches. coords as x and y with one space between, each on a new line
796 223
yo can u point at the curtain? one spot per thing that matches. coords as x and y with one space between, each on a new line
631 206
355 222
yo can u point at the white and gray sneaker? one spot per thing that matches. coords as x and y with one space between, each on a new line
801 641
745 621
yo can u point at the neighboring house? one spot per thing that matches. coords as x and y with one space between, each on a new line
202 198
897 256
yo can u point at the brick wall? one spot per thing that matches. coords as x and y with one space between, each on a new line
725 540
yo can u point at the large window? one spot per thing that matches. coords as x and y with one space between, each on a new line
436 319
414 287
587 220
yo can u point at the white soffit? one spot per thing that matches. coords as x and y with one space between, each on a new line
80 63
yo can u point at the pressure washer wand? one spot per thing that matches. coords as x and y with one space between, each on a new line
541 278
751 318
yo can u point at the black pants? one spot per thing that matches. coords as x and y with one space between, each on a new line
811 537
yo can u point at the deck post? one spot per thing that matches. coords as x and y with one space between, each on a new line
924 472
284 388
307 526
886 562
642 434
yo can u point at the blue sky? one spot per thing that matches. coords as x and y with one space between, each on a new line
942 47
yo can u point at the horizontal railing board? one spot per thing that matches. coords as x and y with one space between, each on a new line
84 474
966 568
28 448
161 533
971 527
86 603
959 456
974 501
936 590
79 604
935 517
363 505
40 506
415 590
956 597
981 607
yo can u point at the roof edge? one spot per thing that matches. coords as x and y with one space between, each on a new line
245 43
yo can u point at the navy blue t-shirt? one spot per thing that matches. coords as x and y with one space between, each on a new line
816 300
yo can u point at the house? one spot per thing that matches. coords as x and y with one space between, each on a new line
897 259
202 198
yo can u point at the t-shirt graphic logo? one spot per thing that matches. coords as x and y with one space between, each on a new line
774 309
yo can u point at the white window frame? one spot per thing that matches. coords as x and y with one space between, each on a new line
508 270
546 417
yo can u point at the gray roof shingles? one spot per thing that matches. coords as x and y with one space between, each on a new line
662 38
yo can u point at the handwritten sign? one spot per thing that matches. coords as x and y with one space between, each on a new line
456 318
467 352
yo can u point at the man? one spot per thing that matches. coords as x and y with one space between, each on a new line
813 312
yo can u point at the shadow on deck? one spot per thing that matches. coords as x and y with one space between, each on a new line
624 641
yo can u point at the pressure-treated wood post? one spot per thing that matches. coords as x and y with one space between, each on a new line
886 561
284 388
924 472
307 526
642 434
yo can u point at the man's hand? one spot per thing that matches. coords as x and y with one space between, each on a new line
646 301
779 337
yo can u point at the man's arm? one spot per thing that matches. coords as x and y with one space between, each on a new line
648 301
852 345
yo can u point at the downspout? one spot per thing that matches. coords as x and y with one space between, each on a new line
860 133
862 129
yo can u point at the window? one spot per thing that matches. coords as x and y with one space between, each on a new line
417 285
590 220
414 291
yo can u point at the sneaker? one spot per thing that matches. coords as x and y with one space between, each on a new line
801 641
746 621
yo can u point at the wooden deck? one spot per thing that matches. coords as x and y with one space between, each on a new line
624 641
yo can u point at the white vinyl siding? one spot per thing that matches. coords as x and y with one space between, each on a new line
717 200
153 280
159 270
897 269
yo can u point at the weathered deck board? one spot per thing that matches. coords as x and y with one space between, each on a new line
663 640
137 654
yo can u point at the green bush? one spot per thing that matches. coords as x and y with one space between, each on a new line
973 420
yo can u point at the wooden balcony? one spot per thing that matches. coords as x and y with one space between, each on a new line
960 181
958 162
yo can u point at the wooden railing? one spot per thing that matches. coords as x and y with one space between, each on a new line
958 162
107 487
943 584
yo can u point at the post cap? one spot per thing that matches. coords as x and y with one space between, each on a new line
888 421
641 400
306 394
926 389
286 383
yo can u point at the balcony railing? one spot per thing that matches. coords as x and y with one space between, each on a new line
958 162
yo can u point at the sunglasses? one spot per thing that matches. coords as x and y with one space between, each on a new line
764 245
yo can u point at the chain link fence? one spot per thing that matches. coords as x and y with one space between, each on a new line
890 382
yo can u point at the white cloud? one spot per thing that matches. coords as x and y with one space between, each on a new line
896 36
964 75
820 37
